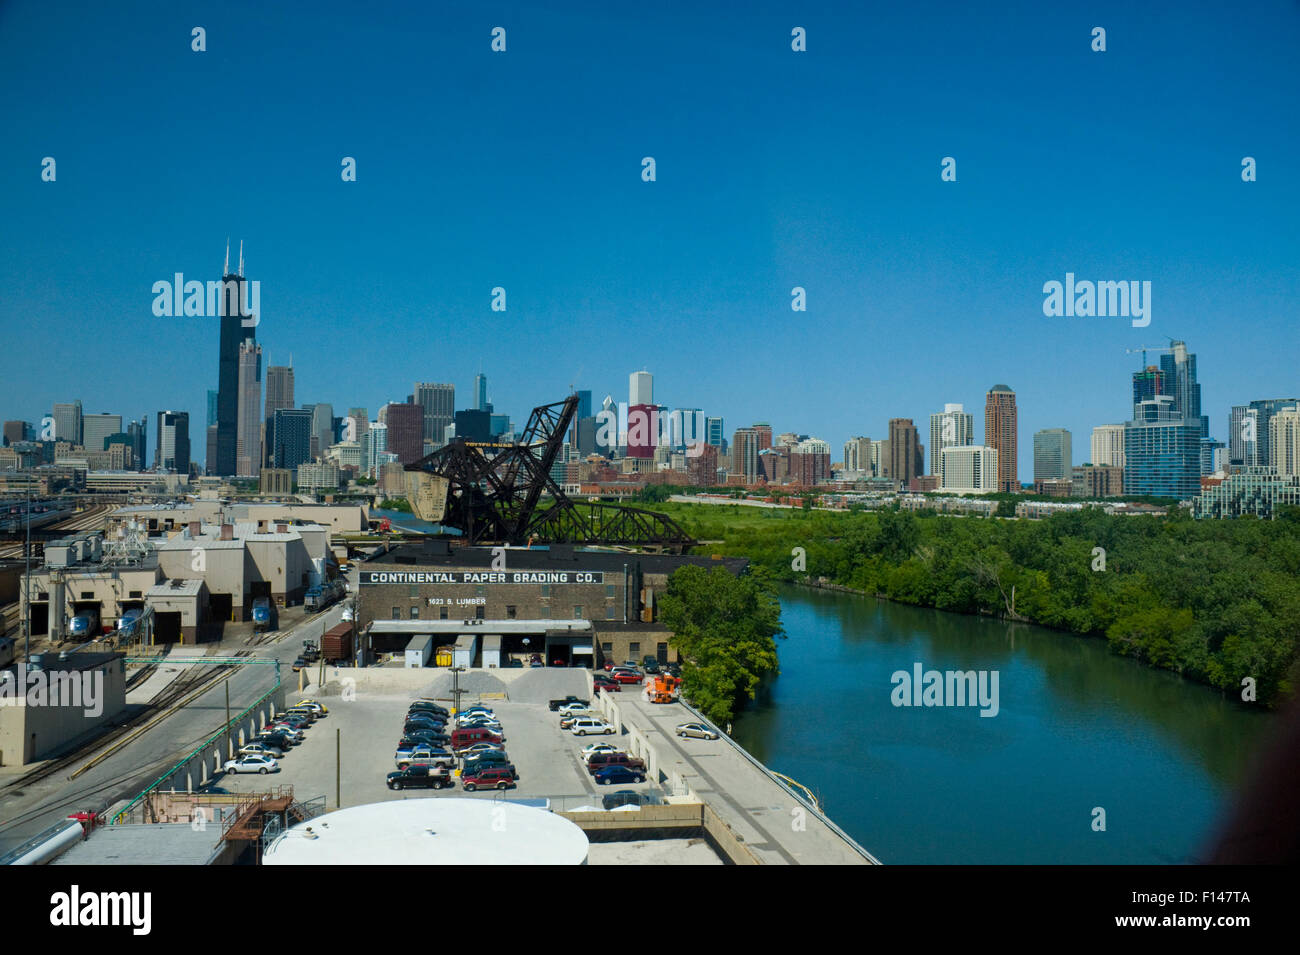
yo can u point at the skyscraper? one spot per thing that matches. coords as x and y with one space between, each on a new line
67 422
744 453
1179 371
1053 455
1000 433
138 431
1284 441
96 427
640 388
1108 445
406 432
212 408
906 455
480 392
322 428
714 433
1243 431
173 452
248 434
857 455
232 336
1162 451
968 469
1264 410
1147 384
290 438
438 404
279 395
952 427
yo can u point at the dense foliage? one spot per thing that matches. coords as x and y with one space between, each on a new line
1218 601
724 631
396 504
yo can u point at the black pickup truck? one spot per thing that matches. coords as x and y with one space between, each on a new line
556 704
413 777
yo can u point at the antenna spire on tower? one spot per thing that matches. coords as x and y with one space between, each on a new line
241 258
226 268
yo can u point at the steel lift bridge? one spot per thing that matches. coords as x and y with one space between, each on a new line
497 493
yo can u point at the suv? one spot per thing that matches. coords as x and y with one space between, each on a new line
432 777
498 777
598 761
587 724
464 738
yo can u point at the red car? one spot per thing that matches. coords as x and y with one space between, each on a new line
609 686
623 676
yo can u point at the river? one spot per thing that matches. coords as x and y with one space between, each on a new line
1077 729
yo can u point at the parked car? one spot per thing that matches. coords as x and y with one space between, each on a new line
598 761
568 719
625 797
558 704
588 726
592 748
300 663
279 740
320 709
429 755
674 669
261 749
420 777
491 777
463 738
252 763
651 666
535 660
611 686
292 732
631 665
486 757
577 706
425 738
477 708
619 774
411 725
695 731
303 713
481 764
474 748
428 706
626 676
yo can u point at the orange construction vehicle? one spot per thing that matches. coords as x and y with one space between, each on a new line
663 688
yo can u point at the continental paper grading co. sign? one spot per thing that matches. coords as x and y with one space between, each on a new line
482 577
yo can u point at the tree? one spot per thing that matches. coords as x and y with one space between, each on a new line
725 630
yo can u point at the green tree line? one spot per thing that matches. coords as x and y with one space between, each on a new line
1217 601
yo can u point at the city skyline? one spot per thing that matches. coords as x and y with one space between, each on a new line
909 280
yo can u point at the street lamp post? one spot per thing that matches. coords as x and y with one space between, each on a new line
455 686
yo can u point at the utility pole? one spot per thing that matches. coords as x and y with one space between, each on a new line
230 743
338 768
27 584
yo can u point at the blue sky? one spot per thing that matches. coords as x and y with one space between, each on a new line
775 169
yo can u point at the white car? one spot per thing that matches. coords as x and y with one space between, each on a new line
696 731
261 749
587 726
252 763
569 708
592 748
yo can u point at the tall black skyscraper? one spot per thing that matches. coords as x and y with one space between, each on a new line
234 298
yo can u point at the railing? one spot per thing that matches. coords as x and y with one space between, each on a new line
776 777
225 728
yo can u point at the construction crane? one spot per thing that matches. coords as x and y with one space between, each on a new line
1146 348
495 499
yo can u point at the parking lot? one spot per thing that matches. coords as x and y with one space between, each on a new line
349 753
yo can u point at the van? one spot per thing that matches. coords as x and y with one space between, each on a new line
586 724
464 738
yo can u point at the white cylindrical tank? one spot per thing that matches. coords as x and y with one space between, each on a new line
53 847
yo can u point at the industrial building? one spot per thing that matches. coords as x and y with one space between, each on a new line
570 606
61 701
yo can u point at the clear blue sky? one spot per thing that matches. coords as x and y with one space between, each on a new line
775 169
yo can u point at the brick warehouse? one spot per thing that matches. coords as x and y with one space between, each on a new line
570 605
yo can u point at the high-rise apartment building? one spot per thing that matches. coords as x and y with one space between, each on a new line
764 432
248 433
810 462
951 427
906 453
1108 445
322 428
1179 371
1284 441
1243 432
1162 451
1000 432
744 453
1053 455
857 455
173 444
279 396
1264 410
713 429
968 469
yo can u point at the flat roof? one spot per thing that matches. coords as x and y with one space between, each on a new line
497 627
149 844
442 831
536 558
177 587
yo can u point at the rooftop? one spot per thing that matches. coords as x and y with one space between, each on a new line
541 558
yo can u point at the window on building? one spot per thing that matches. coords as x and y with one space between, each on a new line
442 613
609 612
479 611
577 611
545 612
609 590
661 652
510 612
414 591
607 649
137 593
634 650
546 590
87 595
397 613
480 591
415 613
